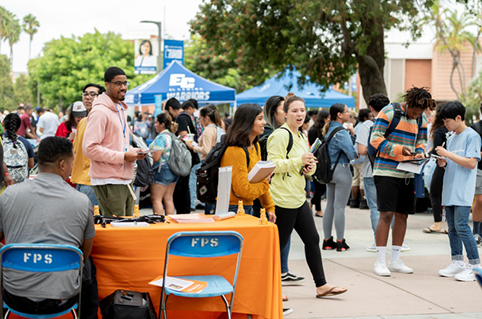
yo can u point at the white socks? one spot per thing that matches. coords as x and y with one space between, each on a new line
381 250
396 250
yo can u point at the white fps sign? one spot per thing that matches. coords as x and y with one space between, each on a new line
181 80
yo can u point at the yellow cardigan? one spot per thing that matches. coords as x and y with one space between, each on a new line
241 188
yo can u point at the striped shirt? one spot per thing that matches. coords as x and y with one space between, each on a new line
405 134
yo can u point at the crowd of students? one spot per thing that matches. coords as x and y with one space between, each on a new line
280 132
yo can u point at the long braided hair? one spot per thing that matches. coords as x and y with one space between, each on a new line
12 124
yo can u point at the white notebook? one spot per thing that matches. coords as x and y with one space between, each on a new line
260 171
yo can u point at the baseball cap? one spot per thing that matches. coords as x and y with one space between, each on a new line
79 109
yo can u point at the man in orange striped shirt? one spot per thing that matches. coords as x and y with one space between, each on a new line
395 188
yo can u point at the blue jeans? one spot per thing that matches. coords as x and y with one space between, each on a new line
460 232
248 209
371 195
89 191
284 257
192 184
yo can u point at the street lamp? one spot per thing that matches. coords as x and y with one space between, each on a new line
158 23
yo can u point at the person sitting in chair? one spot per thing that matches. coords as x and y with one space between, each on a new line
46 210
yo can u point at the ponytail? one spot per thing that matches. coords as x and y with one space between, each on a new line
326 127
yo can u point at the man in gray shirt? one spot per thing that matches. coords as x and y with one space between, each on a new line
46 210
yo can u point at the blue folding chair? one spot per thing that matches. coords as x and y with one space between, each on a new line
478 275
204 244
40 258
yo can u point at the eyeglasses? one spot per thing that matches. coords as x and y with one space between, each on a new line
118 83
91 94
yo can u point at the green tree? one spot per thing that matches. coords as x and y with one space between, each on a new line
21 92
6 85
30 26
324 39
200 59
452 35
67 64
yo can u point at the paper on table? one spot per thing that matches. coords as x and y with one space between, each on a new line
192 218
260 171
178 284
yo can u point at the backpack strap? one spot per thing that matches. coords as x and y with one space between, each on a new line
336 130
247 155
397 114
290 141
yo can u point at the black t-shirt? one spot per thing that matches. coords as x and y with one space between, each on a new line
184 122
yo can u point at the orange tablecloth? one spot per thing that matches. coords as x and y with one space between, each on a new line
129 258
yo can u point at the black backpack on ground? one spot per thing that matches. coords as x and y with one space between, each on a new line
208 173
324 173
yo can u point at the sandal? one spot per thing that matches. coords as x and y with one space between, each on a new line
331 292
429 230
444 231
285 298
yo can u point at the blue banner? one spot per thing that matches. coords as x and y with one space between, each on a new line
173 51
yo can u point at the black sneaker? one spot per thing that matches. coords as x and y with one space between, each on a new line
329 244
290 279
354 203
363 204
287 311
342 246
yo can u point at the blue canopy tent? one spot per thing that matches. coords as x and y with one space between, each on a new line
178 82
289 83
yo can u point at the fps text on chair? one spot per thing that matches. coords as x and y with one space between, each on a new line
40 261
207 244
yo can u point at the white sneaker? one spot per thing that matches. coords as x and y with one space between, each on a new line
456 267
405 247
381 269
399 266
466 275
372 248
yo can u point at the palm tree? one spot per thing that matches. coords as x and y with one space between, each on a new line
30 26
13 33
3 24
452 34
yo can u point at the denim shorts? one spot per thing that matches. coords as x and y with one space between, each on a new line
165 176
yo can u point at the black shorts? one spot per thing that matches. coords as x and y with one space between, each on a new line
395 194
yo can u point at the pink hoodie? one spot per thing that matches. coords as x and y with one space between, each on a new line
104 141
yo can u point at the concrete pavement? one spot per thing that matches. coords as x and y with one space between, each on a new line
423 294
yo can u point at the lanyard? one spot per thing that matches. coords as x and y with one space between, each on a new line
123 122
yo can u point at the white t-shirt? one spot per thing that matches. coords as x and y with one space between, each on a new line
49 122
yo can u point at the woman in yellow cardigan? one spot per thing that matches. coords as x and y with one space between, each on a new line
287 189
242 138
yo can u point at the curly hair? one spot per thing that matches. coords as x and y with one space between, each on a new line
12 124
419 97
53 149
378 101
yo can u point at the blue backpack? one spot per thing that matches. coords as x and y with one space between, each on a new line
372 152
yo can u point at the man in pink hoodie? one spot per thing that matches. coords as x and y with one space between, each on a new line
106 143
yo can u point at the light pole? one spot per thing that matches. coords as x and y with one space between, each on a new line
158 23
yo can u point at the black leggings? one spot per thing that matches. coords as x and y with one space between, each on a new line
436 193
301 220
320 189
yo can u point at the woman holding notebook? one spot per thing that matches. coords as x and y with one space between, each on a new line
287 190
242 153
